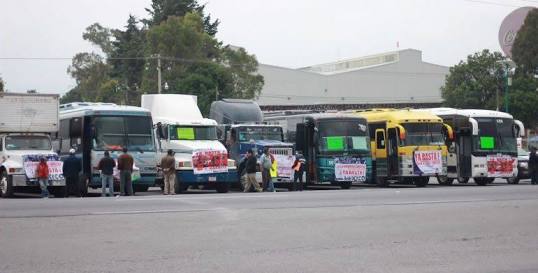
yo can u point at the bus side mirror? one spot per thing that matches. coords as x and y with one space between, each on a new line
161 131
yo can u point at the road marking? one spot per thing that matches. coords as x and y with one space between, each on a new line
183 198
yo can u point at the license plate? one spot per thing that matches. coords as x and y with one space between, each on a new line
57 183
212 178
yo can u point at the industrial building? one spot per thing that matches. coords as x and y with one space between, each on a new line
393 79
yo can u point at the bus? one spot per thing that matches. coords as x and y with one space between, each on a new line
336 147
485 145
93 128
408 146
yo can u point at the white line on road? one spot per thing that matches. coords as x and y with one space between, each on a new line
183 198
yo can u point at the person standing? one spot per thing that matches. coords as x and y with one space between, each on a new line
106 166
250 168
168 165
71 171
42 174
267 163
298 171
533 166
125 166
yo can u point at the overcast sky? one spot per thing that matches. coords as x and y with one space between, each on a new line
291 33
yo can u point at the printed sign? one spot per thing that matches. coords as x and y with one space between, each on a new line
427 162
350 169
30 163
500 165
284 164
209 161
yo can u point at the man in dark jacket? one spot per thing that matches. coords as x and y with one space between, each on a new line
71 170
251 168
106 166
125 165
533 166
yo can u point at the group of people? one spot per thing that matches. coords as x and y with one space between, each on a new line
72 166
249 166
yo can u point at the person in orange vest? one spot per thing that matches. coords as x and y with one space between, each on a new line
42 174
298 170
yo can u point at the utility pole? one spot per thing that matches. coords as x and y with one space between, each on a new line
159 87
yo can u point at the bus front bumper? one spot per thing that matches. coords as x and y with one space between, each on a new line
188 177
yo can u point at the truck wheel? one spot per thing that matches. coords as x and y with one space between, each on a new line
512 180
443 180
463 180
222 187
6 185
421 182
178 187
345 185
382 181
480 181
59 192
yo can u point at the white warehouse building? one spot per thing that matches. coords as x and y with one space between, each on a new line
393 79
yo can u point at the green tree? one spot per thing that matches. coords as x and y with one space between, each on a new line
1 85
525 49
89 71
162 9
475 82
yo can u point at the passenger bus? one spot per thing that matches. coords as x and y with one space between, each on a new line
408 146
93 128
485 145
336 147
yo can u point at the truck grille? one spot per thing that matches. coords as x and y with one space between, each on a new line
281 151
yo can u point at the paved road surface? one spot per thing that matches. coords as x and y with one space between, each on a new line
366 229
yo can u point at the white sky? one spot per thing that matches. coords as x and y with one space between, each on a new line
291 33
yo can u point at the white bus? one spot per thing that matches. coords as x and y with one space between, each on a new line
485 146
93 128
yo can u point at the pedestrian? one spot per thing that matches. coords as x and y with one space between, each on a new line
533 166
250 168
42 174
168 166
71 171
106 166
125 166
298 171
266 164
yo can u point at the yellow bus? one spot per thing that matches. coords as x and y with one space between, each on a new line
408 146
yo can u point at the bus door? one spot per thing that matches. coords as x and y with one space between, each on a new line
463 150
380 153
392 150
304 139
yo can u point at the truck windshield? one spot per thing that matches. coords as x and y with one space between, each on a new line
116 132
193 133
423 134
341 136
495 135
248 133
28 143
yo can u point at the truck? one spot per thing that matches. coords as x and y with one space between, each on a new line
241 128
201 159
27 122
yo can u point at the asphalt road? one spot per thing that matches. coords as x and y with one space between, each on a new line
365 229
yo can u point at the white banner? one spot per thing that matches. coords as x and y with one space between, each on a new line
209 161
284 164
428 162
500 165
30 163
350 169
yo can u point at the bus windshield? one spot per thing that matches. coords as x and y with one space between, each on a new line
27 143
425 134
193 133
337 136
247 133
495 135
116 132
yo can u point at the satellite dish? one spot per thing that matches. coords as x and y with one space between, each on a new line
509 28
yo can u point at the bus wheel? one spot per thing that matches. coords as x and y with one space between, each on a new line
443 180
6 185
83 189
179 188
421 181
512 180
222 187
480 181
59 192
345 185
382 181
463 180
141 188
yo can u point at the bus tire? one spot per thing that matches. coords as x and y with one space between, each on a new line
345 185
222 187
382 182
84 184
179 188
512 180
6 185
421 182
443 180
59 192
141 188
480 181
463 180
